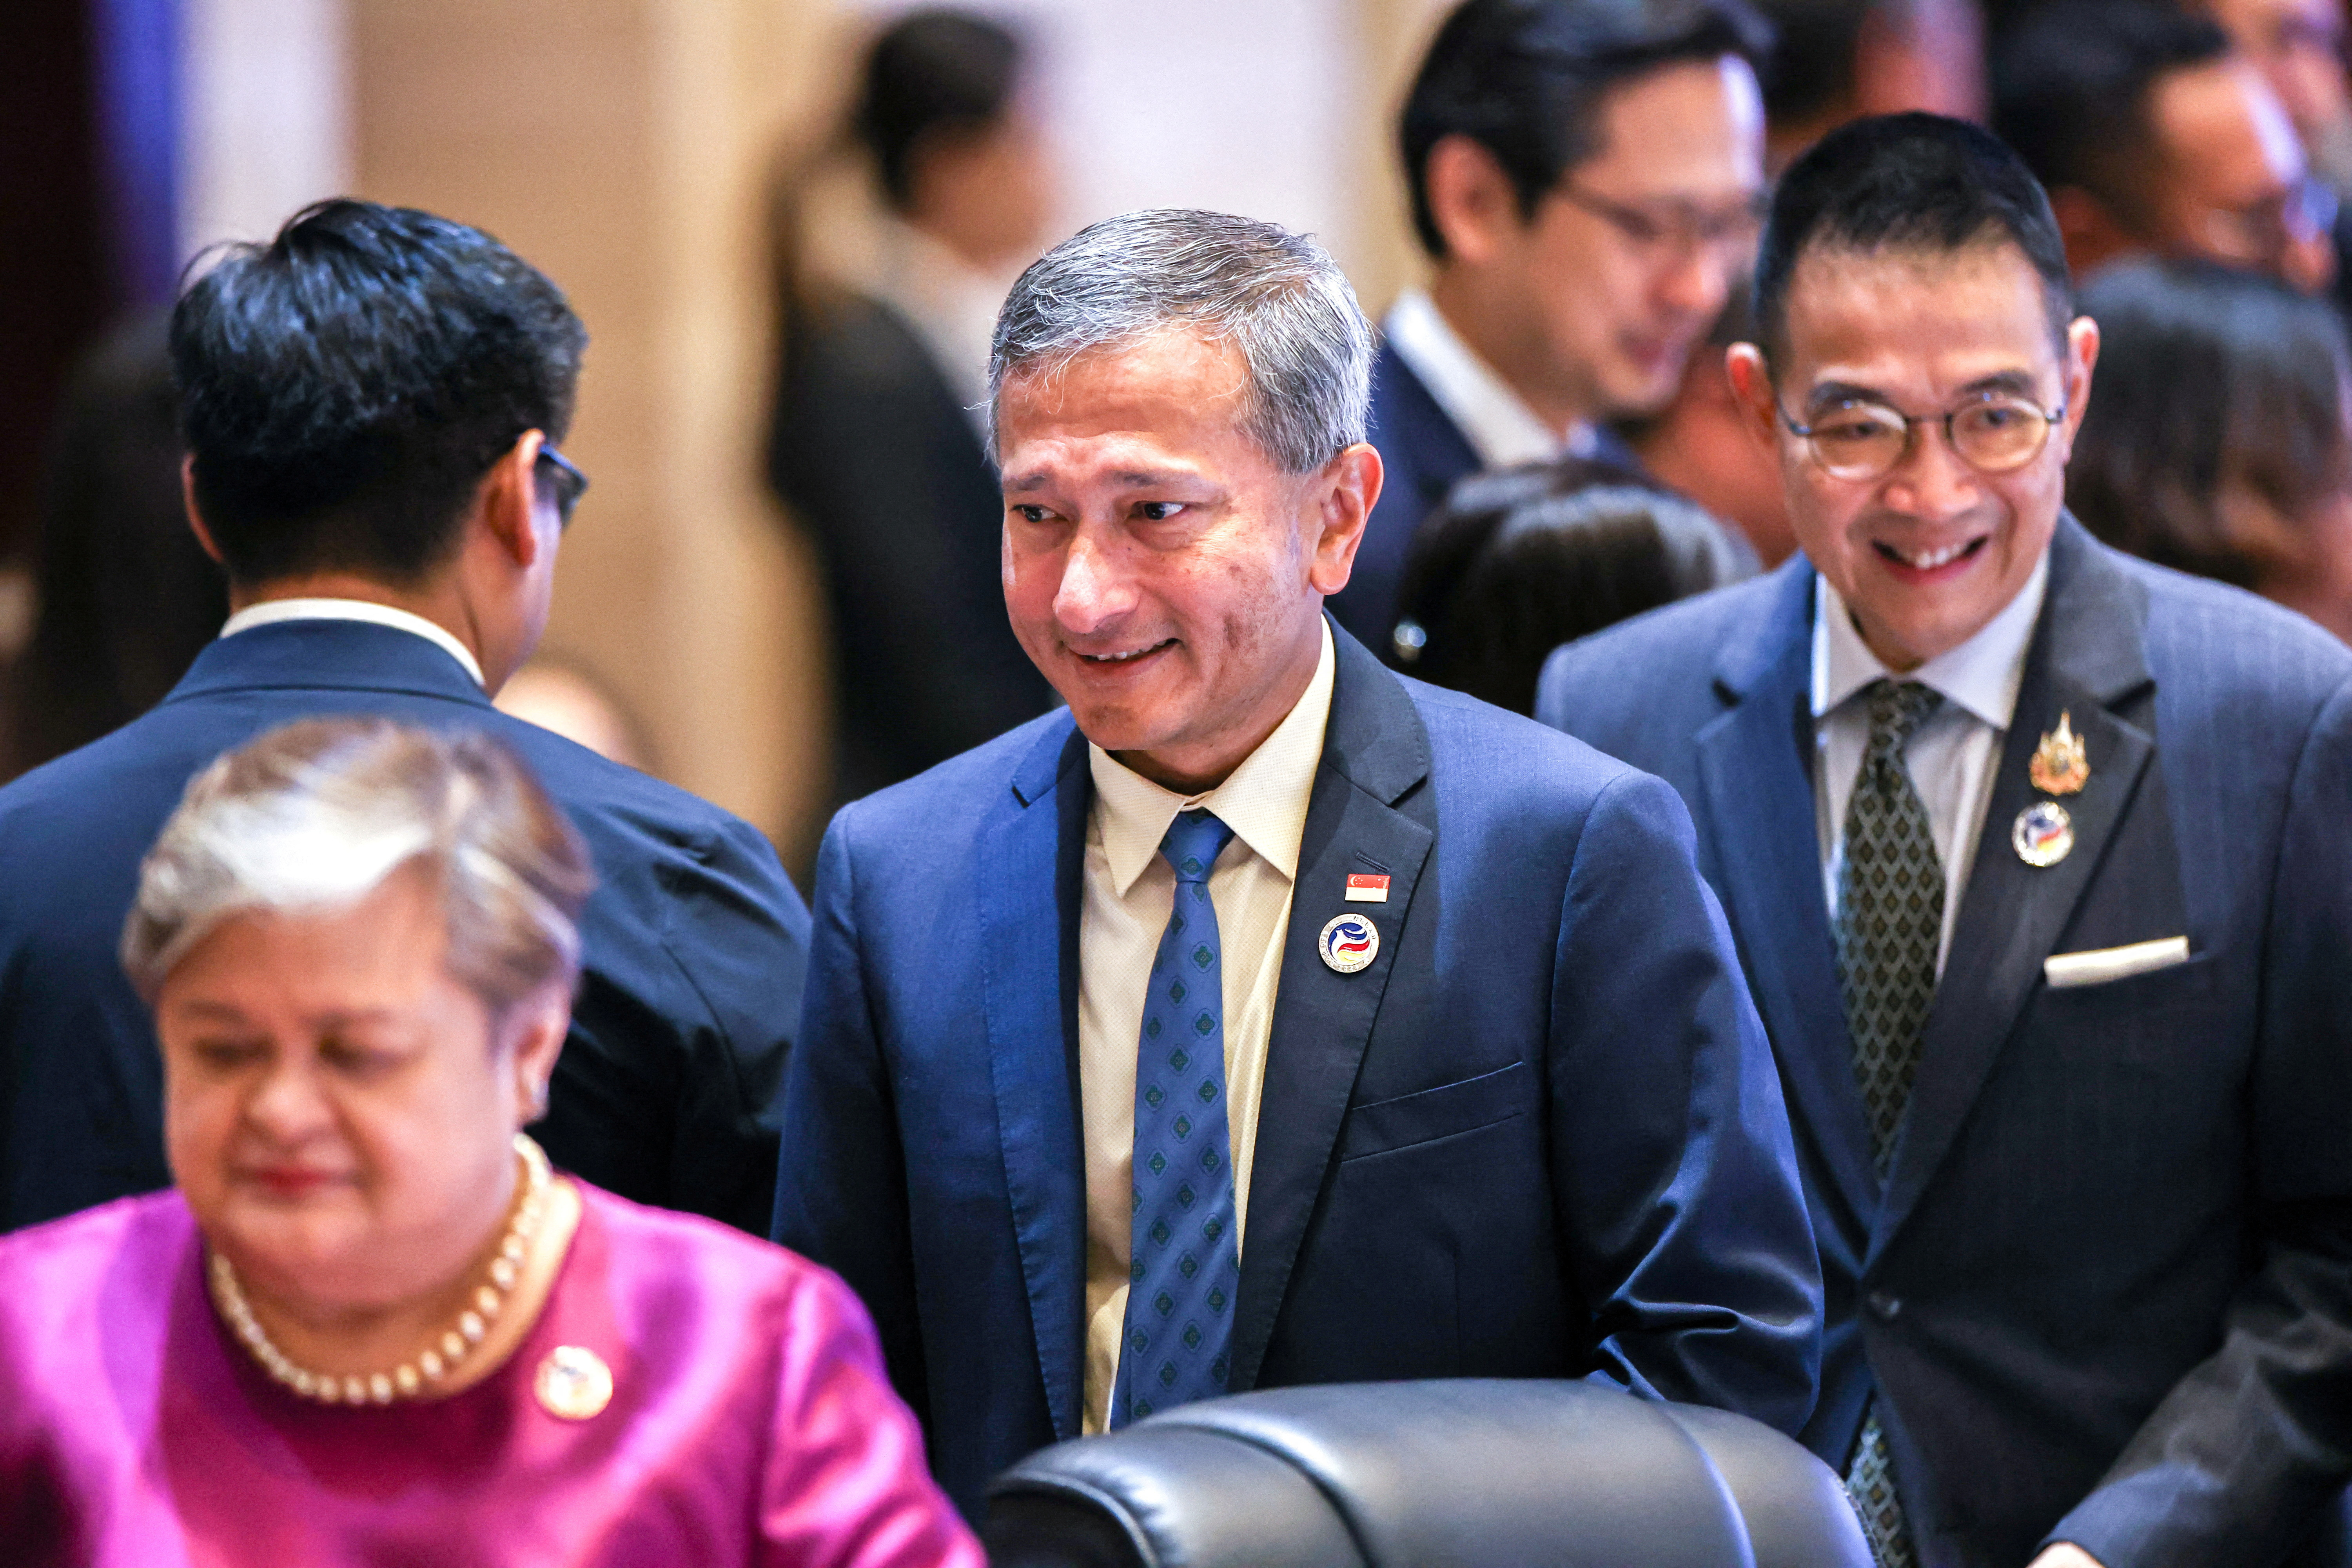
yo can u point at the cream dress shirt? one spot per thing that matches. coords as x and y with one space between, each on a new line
1130 891
270 612
1950 756
1497 422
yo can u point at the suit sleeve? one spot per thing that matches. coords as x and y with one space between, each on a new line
2240 1456
738 940
841 1184
1675 1168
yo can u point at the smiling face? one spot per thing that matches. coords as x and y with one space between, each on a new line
337 1112
1164 572
1927 553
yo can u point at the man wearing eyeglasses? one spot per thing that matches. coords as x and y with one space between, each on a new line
2154 136
2038 859
1586 178
372 403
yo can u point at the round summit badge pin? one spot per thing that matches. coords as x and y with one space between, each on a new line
1349 942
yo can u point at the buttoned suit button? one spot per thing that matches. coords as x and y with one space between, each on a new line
1885 1308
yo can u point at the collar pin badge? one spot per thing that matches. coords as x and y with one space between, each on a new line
1364 888
1348 942
2043 834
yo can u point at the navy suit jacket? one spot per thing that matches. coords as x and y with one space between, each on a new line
693 944
1540 1136
2107 1290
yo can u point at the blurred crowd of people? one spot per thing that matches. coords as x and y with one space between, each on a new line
1578 418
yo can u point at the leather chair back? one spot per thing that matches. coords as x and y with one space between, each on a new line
1424 1475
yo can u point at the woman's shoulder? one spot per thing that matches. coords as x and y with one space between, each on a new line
664 1246
107 1274
85 1246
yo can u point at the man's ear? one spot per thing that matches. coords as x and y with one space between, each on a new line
1470 199
1752 391
2092 233
1349 487
196 518
2082 359
508 501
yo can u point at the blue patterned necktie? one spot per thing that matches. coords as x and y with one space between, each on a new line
1185 1270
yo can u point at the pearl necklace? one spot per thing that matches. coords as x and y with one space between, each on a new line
416 1377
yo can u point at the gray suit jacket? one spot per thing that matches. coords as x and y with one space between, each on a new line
2106 1294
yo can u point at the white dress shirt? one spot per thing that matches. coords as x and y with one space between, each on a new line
1497 422
952 305
271 612
1950 756
1130 891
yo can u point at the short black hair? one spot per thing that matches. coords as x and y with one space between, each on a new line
2071 85
344 387
1522 560
1813 63
1525 80
930 73
2215 386
1905 182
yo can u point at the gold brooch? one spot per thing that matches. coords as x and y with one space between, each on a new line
2061 766
573 1383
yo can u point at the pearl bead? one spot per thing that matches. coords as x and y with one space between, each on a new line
470 1324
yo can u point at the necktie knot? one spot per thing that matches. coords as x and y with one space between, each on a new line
1192 843
1897 709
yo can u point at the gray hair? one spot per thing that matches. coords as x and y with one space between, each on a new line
318 815
1275 296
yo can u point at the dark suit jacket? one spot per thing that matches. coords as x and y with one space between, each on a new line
694 942
1538 1137
2107 1291
874 455
1424 456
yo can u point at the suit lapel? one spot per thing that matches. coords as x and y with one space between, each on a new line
2086 655
1375 752
1755 766
1032 852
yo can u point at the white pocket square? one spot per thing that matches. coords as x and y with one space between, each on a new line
2103 964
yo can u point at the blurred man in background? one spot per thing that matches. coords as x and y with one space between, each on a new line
371 404
1835 60
2152 136
876 443
1586 181
1701 444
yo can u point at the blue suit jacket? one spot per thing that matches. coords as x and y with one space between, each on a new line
2107 1290
1540 1136
694 942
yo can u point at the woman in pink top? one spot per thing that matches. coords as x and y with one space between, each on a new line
369 1325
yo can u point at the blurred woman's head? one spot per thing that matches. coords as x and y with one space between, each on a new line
2217 439
942 111
360 942
1519 562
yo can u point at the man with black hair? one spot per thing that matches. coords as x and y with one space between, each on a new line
2152 136
1839 60
371 404
2037 860
1587 180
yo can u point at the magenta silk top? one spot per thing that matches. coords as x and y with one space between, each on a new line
750 1421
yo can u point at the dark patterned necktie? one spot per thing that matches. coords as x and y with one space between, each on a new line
1890 921
1185 1270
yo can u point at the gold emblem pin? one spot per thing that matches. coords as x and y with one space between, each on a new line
573 1383
2061 766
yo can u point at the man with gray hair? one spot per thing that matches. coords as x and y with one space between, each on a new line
1479 1090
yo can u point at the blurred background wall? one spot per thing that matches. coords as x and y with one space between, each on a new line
626 147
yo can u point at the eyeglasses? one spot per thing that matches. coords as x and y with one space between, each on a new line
571 484
1993 434
1677 231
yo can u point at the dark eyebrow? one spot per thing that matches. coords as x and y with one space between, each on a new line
2017 383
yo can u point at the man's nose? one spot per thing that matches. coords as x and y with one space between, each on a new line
1696 284
1932 481
1095 590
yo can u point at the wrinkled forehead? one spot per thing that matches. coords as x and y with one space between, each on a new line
1918 319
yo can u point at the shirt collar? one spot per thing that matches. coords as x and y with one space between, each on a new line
1264 801
951 304
1497 422
270 612
1982 675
